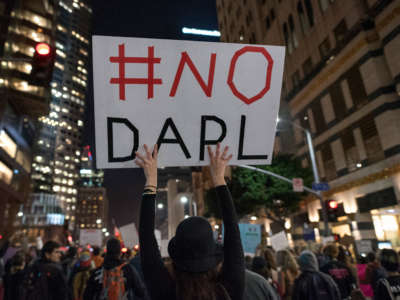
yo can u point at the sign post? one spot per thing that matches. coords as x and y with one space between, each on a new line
184 96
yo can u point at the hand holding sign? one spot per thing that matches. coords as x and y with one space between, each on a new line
218 164
149 164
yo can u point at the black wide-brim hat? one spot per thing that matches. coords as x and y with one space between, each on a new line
193 248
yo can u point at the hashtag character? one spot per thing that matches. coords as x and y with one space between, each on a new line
122 81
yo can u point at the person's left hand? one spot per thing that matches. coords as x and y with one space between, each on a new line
149 164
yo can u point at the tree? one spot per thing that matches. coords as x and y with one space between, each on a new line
253 190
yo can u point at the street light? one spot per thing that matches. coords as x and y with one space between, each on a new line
104 229
314 169
20 214
106 234
160 206
184 199
98 221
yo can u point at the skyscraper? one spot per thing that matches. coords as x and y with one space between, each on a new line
56 162
23 23
342 82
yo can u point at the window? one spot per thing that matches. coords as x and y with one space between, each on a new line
356 86
324 48
310 12
318 116
272 13
267 22
338 103
7 144
307 66
238 12
303 22
324 4
252 38
249 18
328 161
5 173
288 40
340 31
371 139
350 150
296 79
293 36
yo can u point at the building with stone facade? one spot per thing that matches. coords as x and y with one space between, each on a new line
342 82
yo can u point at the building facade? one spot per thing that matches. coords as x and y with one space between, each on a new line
57 149
23 23
342 82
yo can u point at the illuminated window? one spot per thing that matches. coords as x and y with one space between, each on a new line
7 144
5 173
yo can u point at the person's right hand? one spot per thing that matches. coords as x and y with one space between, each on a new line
149 164
218 164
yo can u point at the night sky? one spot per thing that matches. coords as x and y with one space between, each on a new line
150 19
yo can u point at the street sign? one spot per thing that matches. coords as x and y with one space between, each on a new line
320 186
298 185
184 95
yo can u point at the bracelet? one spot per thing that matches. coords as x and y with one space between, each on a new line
153 186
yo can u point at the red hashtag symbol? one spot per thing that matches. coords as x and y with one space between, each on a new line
150 60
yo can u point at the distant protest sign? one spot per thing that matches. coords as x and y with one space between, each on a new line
91 237
250 235
184 95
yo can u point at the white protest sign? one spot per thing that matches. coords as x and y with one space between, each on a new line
298 185
364 246
184 95
327 239
279 241
129 235
92 237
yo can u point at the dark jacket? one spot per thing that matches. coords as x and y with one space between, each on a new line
258 288
342 275
94 285
160 283
312 284
388 289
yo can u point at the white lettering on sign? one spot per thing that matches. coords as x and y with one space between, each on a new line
184 96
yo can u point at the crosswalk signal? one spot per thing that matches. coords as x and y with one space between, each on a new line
332 210
42 64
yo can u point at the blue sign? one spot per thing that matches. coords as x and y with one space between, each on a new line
250 234
321 186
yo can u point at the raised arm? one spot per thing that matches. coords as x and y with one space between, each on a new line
156 276
233 266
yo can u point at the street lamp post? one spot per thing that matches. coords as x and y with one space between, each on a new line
315 172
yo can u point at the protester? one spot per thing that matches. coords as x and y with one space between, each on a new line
115 279
45 278
260 266
81 276
389 288
14 276
96 258
340 273
258 288
366 288
373 272
345 258
201 270
68 262
312 284
288 271
269 256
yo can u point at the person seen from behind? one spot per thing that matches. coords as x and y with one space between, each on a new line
256 286
96 257
340 273
388 288
373 272
201 269
14 276
270 257
288 270
313 284
81 276
115 280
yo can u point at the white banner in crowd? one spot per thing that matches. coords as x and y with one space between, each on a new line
91 237
184 95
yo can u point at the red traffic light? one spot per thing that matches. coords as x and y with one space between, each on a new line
43 49
333 204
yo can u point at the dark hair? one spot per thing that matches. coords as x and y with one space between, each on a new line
49 247
343 257
199 286
331 250
71 253
269 256
96 250
371 257
389 260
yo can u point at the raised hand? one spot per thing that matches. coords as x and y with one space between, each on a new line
148 162
218 162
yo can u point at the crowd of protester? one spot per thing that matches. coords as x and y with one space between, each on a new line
198 267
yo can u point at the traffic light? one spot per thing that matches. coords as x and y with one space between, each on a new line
42 64
332 210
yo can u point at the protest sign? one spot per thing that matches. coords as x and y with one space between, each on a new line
279 241
250 234
129 235
184 95
91 237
